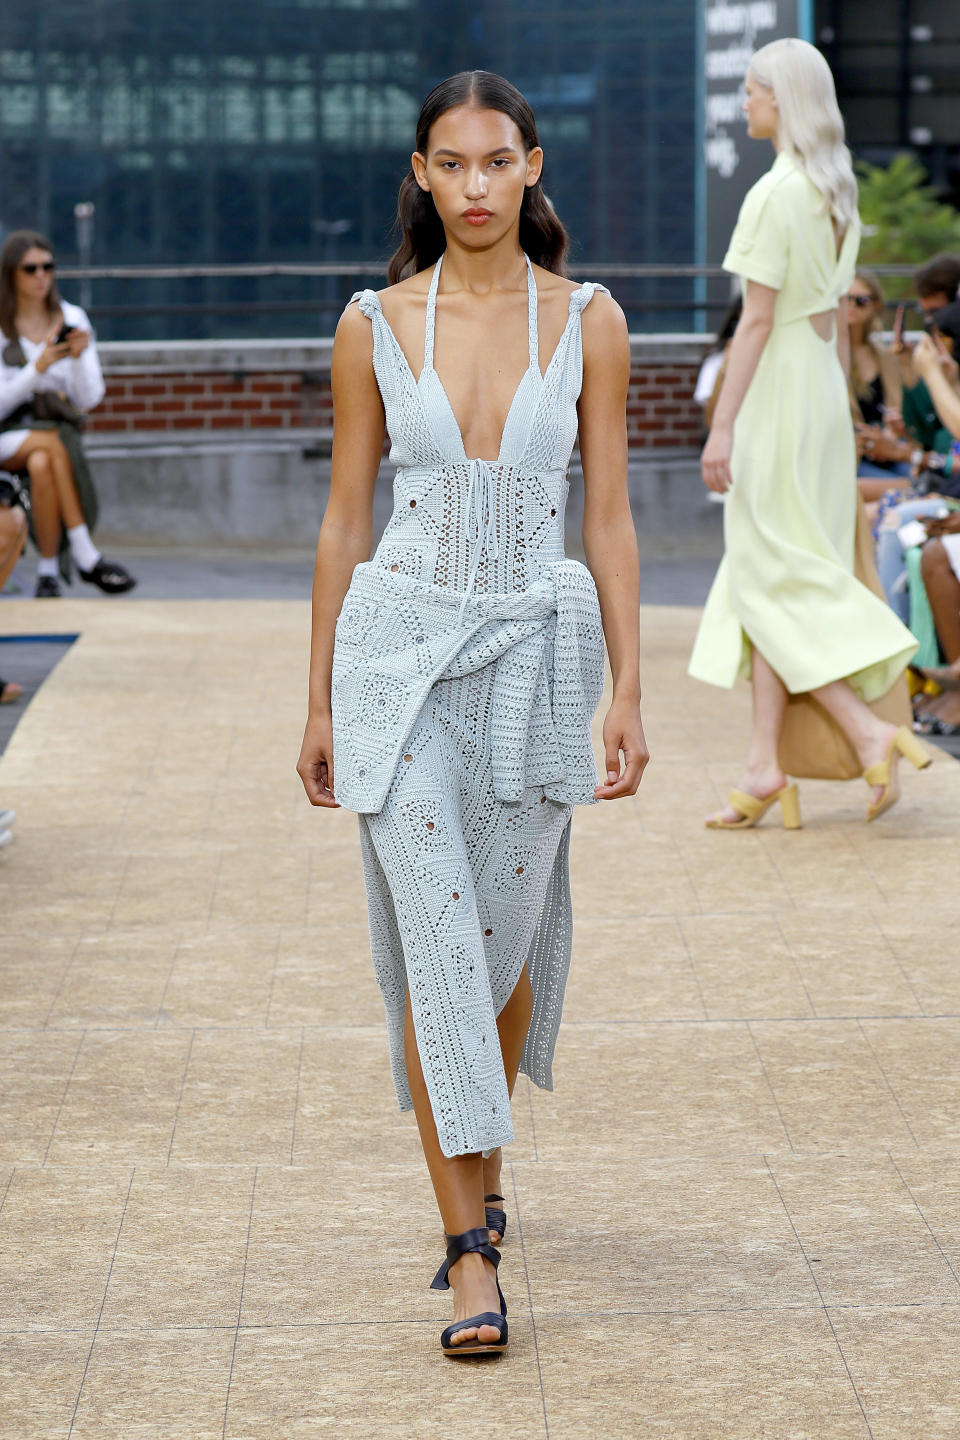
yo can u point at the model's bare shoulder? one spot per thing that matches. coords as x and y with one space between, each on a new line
405 299
604 324
353 338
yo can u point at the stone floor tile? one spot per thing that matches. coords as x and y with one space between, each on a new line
58 1230
388 1380
239 1098
40 1375
162 890
904 1365
322 1247
772 1375
324 976
32 965
862 1233
645 876
646 972
846 963
656 1090
180 1390
929 955
743 980
121 1101
921 1060
180 1256
35 1066
934 1183
669 1235
115 978
735 872
259 888
828 1085
223 977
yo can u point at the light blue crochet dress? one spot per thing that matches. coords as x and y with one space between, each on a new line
467 666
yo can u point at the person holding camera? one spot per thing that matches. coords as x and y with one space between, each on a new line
49 378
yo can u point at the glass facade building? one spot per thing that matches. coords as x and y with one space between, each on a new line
223 131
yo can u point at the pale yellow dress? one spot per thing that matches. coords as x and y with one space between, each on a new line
786 581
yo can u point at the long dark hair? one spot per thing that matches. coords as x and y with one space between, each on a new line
422 238
16 246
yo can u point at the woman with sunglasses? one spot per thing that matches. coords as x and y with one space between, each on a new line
49 377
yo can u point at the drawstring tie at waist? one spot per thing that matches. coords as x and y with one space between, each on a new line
481 521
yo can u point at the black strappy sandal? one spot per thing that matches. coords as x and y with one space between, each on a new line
471 1240
496 1219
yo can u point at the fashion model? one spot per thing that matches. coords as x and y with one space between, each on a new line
785 608
451 705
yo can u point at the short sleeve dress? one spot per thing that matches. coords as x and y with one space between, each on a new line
786 582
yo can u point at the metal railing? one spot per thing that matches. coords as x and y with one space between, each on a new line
306 298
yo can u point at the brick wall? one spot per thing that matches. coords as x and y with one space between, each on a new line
272 385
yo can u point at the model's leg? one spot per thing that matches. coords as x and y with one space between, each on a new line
763 774
513 1022
458 1185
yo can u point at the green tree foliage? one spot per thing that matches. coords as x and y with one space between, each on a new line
904 223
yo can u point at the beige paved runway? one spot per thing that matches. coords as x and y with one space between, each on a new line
738 1216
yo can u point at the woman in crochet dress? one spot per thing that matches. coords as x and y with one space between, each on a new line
450 702
786 608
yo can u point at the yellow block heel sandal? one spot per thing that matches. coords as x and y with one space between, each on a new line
751 809
884 772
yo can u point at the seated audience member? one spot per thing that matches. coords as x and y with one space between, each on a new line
7 818
876 389
49 377
940 565
13 534
710 378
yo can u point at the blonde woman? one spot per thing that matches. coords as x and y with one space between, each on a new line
785 608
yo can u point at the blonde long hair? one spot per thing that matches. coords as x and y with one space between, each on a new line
811 126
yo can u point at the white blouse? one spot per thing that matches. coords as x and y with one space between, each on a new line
80 379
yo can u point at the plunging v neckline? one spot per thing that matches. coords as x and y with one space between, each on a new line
533 366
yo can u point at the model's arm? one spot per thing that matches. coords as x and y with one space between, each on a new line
939 375
747 346
609 539
345 535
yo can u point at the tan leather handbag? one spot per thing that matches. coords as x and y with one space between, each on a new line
812 745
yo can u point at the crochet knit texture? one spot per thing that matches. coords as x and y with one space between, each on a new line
467 666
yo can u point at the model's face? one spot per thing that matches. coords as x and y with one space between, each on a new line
760 108
862 305
33 281
476 169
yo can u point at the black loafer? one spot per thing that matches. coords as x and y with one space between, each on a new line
109 576
47 587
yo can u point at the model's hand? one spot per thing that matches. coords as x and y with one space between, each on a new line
715 460
623 731
315 766
78 340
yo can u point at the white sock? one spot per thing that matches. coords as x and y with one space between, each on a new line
48 567
84 552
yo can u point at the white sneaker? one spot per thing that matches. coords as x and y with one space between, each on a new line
6 838
7 818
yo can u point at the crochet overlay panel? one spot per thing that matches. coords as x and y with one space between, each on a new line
462 890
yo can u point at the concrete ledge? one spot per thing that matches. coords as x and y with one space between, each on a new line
312 357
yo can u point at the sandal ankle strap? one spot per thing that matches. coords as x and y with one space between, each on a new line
470 1241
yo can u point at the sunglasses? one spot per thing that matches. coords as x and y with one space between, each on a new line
47 266
861 301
